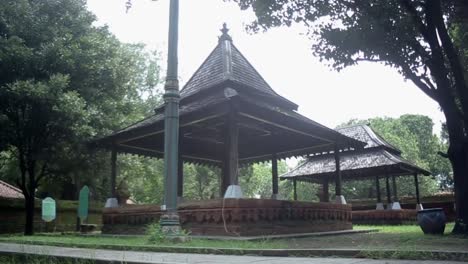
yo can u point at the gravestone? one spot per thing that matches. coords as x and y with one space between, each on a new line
83 203
48 209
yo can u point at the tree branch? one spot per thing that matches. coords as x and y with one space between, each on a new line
442 154
428 82
42 174
416 19
369 60
420 84
452 56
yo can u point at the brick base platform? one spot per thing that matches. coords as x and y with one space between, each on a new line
385 217
235 217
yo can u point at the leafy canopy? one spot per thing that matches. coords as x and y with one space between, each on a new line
72 81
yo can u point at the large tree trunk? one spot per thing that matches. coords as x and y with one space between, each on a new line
458 155
459 159
29 205
30 198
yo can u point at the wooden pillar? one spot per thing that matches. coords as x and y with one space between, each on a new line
395 192
230 166
180 177
295 189
274 176
387 183
325 188
377 189
416 184
337 172
113 173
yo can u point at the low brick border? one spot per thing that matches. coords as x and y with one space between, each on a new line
384 217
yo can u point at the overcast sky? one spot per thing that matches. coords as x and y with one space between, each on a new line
282 56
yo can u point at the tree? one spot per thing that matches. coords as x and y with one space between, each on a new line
255 179
201 182
36 119
62 82
420 38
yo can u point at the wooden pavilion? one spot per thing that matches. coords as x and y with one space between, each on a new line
379 159
230 116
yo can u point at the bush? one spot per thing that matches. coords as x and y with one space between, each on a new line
156 234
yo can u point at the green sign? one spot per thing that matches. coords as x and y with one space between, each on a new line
48 209
84 203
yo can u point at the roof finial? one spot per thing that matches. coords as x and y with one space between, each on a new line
225 35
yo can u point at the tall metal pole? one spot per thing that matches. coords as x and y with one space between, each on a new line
170 220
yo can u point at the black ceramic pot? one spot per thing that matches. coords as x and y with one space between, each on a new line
432 221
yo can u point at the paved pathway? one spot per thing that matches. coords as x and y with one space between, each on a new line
176 258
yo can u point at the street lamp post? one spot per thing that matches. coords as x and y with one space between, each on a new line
170 220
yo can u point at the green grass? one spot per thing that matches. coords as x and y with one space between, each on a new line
399 238
31 259
136 242
405 242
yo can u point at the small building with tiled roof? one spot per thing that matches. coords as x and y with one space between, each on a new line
378 159
8 191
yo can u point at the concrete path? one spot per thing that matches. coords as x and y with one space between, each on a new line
178 258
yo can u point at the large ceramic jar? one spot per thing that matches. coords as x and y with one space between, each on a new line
432 221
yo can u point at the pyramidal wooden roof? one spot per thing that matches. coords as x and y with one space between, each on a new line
365 134
227 64
226 82
378 158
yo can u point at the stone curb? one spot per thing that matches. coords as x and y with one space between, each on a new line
338 252
249 238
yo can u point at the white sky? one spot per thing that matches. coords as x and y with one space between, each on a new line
282 56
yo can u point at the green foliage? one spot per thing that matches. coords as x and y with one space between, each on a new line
201 182
155 234
145 180
64 81
51 53
256 181
35 259
144 177
37 119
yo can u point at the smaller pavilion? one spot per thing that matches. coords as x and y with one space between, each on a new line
379 159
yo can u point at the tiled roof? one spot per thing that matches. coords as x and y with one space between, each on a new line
365 134
184 109
378 154
9 191
226 63
291 114
350 163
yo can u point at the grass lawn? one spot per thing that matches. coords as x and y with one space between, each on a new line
405 237
136 242
31 259
399 238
